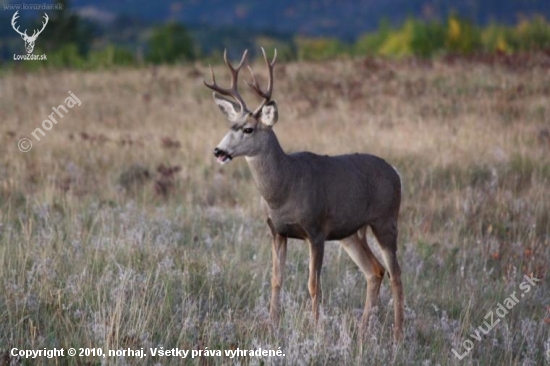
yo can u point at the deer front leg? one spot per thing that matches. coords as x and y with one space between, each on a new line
316 251
278 253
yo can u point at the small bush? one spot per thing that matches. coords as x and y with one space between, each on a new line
111 56
320 48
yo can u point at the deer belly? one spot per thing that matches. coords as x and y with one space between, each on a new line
294 231
342 233
338 228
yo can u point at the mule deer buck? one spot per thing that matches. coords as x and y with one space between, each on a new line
313 197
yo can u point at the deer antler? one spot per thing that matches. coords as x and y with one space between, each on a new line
13 19
43 26
231 91
24 34
256 87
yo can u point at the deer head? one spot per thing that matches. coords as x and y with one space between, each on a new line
249 130
29 41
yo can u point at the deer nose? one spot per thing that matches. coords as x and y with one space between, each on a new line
217 152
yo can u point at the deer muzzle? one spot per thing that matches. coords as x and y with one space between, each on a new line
223 156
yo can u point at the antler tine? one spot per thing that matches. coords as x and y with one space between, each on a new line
256 87
46 18
233 90
234 70
270 66
13 23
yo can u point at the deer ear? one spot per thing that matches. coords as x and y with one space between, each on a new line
230 109
270 114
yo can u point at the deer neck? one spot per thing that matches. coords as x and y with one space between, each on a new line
271 171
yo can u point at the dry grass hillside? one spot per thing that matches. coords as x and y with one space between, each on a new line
119 230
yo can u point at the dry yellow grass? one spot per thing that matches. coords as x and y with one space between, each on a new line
118 229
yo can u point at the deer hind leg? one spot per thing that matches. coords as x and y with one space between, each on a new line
316 252
386 234
358 249
278 254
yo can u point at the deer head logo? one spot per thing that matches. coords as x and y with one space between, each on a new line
29 41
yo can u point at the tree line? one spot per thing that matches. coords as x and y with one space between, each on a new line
73 42
427 39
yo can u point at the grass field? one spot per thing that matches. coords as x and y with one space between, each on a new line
118 230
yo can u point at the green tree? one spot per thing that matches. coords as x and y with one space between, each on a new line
170 43
427 38
534 34
370 43
496 37
67 28
462 36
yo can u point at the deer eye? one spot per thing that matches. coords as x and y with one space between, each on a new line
248 130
